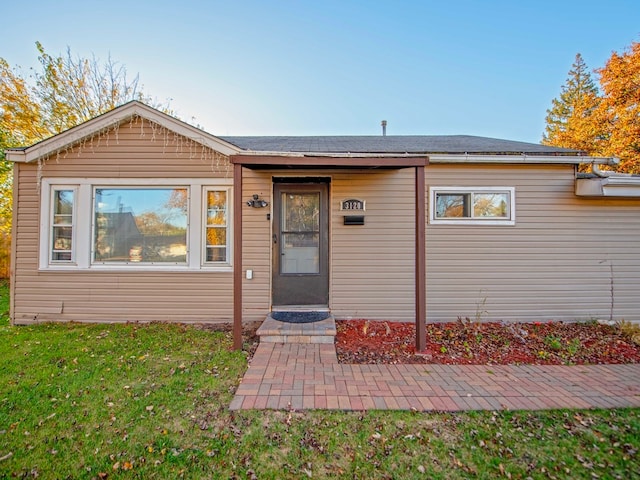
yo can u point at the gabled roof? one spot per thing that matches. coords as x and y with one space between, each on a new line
396 144
115 117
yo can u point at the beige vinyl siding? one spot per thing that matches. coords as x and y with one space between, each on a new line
372 270
256 248
562 260
554 264
139 150
371 266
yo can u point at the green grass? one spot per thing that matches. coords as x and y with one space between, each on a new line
150 401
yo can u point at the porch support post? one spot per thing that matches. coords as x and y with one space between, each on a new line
421 301
237 256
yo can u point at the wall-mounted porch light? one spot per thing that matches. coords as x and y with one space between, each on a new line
257 202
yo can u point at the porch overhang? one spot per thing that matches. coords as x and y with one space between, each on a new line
329 161
418 162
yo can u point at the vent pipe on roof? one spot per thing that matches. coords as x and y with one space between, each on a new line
384 128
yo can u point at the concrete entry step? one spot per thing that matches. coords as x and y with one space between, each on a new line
298 327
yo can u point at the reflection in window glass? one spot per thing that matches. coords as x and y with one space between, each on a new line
294 240
140 225
300 233
452 205
62 229
490 205
216 234
301 212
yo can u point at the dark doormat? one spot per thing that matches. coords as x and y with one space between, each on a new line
299 317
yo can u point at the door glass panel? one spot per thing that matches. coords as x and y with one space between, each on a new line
300 238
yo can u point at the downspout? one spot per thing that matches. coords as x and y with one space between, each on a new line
595 169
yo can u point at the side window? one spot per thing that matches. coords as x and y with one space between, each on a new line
62 225
469 205
216 227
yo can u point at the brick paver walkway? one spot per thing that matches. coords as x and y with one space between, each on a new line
308 376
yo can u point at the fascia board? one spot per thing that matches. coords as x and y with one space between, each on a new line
115 117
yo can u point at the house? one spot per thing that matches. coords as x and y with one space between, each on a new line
137 216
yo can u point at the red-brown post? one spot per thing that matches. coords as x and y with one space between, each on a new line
237 256
421 301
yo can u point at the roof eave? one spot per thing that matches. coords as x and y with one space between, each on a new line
244 157
112 118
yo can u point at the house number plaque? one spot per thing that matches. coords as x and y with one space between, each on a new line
352 205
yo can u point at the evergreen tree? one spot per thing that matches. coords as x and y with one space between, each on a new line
570 122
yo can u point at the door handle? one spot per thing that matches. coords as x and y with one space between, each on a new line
275 238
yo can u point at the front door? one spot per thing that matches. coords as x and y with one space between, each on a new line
300 244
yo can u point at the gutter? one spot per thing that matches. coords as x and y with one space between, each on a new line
523 158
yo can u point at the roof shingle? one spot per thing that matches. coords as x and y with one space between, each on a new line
390 144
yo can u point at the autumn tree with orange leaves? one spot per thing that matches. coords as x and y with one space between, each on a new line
65 92
619 110
603 122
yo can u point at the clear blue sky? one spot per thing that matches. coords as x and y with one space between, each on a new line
337 67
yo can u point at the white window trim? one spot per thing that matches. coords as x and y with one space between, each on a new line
510 221
83 223
138 187
203 218
46 218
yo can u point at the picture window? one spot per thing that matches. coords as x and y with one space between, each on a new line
133 224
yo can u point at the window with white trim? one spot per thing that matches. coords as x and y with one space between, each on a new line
62 222
136 224
140 225
472 205
216 230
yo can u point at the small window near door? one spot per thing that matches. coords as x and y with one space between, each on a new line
216 227
471 205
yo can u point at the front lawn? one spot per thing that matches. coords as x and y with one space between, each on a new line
150 401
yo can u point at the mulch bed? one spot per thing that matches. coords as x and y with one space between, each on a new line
490 343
